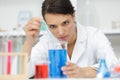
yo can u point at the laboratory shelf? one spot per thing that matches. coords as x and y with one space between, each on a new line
16 33
111 31
106 32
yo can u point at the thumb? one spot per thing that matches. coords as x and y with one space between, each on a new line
69 63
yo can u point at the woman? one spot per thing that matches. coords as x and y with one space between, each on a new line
85 44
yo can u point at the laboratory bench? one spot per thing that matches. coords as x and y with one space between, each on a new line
81 79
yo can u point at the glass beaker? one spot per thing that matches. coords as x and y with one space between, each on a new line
57 55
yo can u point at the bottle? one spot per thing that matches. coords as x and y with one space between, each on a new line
103 71
23 18
116 70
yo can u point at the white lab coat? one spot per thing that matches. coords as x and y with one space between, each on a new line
89 45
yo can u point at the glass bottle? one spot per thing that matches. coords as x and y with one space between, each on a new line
103 71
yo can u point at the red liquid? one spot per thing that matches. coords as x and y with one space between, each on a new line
41 71
9 57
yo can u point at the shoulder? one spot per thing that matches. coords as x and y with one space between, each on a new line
88 33
90 30
93 30
87 29
96 34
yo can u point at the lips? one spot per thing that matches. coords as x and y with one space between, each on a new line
63 38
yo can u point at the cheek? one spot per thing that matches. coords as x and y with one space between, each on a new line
53 32
71 29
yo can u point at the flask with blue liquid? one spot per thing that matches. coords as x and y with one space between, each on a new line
103 71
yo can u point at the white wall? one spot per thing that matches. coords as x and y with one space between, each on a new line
115 42
102 13
9 10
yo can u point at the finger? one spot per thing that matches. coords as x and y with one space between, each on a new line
69 67
32 27
36 19
30 30
70 72
69 63
33 23
33 32
73 70
73 76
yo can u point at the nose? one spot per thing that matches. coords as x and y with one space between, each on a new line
60 31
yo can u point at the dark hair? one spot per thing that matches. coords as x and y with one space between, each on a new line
57 7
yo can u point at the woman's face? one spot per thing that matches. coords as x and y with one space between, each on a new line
61 26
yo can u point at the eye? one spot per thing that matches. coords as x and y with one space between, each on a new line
52 26
66 22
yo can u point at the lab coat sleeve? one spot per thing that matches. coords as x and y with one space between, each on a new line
103 48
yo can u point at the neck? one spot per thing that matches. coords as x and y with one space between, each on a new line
71 44
73 40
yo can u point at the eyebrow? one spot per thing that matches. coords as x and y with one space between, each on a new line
65 20
60 23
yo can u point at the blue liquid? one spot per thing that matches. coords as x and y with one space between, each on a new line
58 59
43 26
103 69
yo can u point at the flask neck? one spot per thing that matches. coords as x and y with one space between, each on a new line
103 63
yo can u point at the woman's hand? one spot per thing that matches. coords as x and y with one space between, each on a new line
71 70
32 30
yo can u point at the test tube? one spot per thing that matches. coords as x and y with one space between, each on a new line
4 50
1 57
19 50
43 26
9 47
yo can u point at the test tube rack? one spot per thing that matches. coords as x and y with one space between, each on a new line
24 74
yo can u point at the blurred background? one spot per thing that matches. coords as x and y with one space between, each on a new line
102 14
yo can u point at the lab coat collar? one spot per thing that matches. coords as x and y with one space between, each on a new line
81 33
80 44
